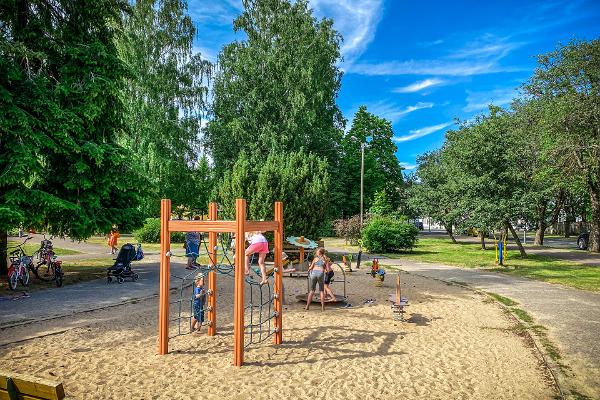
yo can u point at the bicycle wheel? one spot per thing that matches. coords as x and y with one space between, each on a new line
59 275
12 280
45 274
24 276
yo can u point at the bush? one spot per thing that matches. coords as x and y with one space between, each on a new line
389 235
349 229
150 232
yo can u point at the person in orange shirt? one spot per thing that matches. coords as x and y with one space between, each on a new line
113 238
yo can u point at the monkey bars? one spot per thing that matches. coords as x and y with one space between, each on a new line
213 226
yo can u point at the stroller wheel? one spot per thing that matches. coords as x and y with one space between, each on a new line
108 279
120 280
135 277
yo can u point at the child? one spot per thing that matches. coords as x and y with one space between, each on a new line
315 275
113 238
327 280
199 298
192 247
258 244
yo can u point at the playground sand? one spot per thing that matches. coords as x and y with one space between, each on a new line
455 344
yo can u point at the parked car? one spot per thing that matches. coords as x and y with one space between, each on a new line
583 241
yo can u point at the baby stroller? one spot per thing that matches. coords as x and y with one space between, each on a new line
121 269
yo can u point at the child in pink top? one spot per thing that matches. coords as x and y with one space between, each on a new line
260 245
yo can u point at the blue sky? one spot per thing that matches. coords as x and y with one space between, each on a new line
421 64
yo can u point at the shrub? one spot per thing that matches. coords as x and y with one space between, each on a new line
349 229
150 232
389 235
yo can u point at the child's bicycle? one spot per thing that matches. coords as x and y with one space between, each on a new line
20 264
48 268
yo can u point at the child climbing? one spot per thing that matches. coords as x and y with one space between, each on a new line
315 275
199 299
260 245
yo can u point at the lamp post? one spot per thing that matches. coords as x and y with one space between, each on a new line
362 177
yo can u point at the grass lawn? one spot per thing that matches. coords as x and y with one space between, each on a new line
30 248
534 266
130 239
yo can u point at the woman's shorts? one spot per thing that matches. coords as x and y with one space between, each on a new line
315 277
260 248
328 277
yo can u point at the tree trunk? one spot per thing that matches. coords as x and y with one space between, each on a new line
595 222
541 230
3 253
482 239
449 231
516 237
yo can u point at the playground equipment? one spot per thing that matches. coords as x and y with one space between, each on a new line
303 244
398 302
347 259
19 386
316 298
500 243
214 226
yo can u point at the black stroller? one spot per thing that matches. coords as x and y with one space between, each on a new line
121 269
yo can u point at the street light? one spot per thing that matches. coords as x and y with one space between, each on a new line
362 177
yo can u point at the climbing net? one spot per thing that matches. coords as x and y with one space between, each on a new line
184 303
259 311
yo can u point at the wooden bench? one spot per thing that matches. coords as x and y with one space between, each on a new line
18 386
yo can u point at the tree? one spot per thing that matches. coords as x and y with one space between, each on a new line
567 81
381 204
61 168
165 95
298 179
275 91
382 170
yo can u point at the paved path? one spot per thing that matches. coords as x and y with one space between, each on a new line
572 316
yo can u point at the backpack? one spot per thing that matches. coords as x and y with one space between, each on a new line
139 253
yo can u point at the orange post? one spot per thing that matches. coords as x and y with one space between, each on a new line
398 293
238 296
278 278
165 265
301 255
212 275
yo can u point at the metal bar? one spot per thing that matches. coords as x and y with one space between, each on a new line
165 246
212 275
202 226
238 299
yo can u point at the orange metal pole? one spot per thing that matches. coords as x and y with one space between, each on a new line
163 308
398 293
278 278
238 297
212 275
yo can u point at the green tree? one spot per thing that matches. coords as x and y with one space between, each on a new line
61 168
382 170
567 81
298 179
165 95
275 90
381 205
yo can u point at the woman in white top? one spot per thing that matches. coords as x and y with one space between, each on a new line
260 245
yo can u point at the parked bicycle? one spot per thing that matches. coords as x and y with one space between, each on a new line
48 268
20 264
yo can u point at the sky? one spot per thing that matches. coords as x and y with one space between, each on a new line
424 64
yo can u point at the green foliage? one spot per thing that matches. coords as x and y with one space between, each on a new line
300 180
381 204
349 229
275 90
150 232
61 168
389 235
382 171
164 95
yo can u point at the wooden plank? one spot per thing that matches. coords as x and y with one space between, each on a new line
165 274
238 295
201 226
31 386
262 226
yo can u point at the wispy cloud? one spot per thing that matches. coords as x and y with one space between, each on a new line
419 85
407 166
418 133
479 101
205 53
394 112
356 20
480 56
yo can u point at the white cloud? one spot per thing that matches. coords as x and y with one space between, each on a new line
407 166
205 53
356 20
419 85
418 133
479 101
393 112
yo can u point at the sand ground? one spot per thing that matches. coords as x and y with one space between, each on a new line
455 345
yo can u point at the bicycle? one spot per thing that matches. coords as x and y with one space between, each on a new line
20 264
46 257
